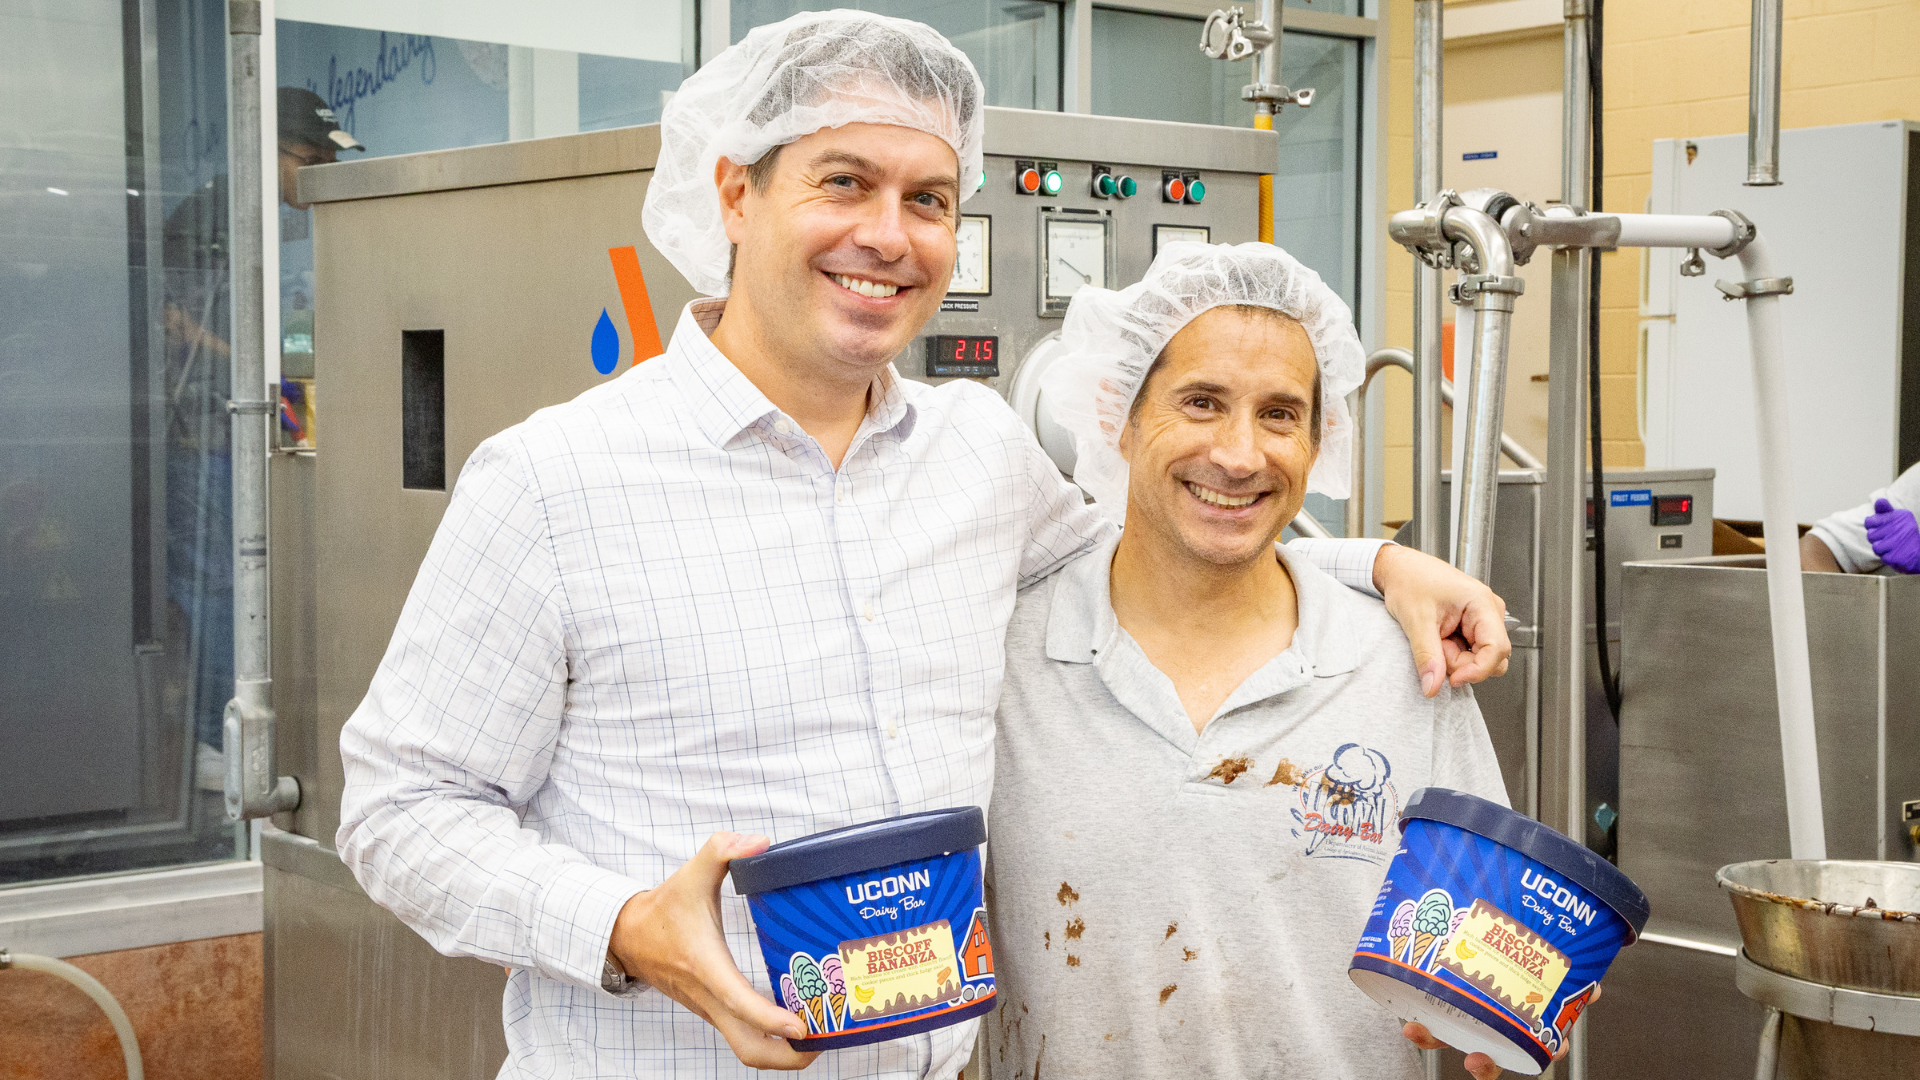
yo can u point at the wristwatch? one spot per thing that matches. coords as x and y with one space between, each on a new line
614 978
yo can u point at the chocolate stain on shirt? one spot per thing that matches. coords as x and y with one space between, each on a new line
1287 773
1048 935
1172 929
1072 960
1189 954
1167 992
1230 769
1076 928
1066 895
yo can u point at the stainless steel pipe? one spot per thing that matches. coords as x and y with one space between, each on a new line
1763 96
252 790
1428 44
1491 292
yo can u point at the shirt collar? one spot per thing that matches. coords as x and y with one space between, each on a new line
725 402
1081 623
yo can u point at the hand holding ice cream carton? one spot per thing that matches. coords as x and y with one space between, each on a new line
1492 929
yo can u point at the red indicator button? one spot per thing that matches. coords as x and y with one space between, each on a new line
1176 190
1029 181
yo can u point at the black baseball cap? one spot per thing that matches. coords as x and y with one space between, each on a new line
305 117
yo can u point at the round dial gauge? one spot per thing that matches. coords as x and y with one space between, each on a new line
1076 256
973 254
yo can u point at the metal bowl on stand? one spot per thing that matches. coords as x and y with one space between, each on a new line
1832 948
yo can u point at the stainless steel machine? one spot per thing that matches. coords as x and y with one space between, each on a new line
1652 514
1701 787
458 291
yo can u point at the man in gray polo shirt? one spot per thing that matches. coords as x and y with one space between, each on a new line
1204 741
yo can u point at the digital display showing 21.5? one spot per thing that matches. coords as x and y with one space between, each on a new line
951 356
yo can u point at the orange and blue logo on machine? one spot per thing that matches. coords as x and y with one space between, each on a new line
604 346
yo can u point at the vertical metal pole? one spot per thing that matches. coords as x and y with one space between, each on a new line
250 641
1763 96
1266 72
1563 717
1427 535
252 789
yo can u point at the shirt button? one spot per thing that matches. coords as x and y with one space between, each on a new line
783 427
866 612
843 493
893 730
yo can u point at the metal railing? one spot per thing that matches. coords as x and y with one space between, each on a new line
1402 359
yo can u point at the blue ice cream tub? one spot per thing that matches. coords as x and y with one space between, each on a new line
875 931
1492 929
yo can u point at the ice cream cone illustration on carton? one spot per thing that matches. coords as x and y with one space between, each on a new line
790 996
813 991
1400 929
1430 921
836 990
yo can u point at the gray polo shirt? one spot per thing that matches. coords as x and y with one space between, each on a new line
1167 903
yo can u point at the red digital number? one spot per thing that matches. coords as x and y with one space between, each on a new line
959 349
986 350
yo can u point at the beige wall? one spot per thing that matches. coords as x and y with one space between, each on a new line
1673 69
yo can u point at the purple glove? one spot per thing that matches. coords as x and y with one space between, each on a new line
1895 537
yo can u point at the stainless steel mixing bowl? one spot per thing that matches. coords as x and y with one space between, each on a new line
1841 923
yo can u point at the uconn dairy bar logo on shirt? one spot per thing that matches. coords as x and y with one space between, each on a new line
1346 808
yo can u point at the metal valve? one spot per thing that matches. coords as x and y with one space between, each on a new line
1230 35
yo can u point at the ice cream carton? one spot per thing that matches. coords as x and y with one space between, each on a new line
1492 929
875 931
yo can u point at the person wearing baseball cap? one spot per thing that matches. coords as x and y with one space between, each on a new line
309 135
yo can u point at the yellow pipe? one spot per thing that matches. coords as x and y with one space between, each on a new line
1263 119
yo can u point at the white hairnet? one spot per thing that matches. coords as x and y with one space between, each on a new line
1111 339
785 81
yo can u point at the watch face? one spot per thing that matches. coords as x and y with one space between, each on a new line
1076 256
973 257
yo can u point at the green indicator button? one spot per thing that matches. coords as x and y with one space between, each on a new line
1051 182
1128 187
1196 191
1104 186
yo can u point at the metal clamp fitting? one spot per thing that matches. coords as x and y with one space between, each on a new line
1472 285
262 408
1743 234
1419 230
1277 94
1693 265
1758 287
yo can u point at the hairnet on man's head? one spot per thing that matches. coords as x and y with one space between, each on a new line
1111 339
787 80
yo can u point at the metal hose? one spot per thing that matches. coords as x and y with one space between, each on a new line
90 986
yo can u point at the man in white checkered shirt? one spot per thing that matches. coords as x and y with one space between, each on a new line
754 588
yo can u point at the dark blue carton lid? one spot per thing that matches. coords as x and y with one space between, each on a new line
1569 858
867 846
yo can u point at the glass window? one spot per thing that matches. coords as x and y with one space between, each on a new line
116 597
1316 182
1015 44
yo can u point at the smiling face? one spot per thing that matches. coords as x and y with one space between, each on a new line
1222 436
847 246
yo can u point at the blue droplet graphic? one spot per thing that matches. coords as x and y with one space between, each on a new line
606 345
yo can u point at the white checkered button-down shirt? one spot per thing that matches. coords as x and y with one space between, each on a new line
657 612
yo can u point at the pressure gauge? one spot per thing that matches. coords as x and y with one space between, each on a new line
973 257
1076 250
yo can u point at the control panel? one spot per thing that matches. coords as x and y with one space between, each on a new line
1064 204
